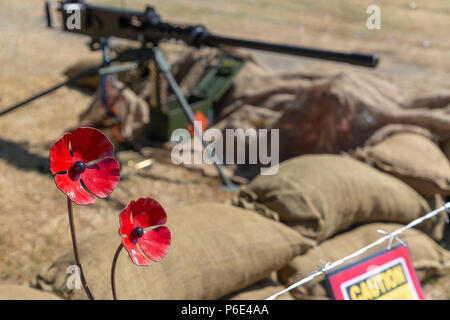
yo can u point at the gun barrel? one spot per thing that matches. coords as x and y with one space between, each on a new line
352 58
99 22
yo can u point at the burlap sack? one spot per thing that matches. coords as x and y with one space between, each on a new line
412 157
133 114
188 65
320 195
327 113
428 258
340 112
216 249
260 291
20 292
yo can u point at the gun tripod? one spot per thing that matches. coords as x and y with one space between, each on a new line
138 55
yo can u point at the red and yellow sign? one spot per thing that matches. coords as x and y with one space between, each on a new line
386 275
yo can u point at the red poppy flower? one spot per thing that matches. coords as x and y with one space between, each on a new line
82 164
143 242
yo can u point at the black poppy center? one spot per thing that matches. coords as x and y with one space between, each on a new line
138 232
79 167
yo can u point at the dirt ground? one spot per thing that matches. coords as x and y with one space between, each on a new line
33 223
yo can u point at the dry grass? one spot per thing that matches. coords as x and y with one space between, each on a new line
33 223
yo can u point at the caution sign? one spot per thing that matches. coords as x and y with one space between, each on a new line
386 275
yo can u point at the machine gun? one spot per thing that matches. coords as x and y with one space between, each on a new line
101 23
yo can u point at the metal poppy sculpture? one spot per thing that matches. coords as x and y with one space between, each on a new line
142 234
83 167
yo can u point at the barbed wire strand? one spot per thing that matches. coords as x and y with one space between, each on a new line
388 236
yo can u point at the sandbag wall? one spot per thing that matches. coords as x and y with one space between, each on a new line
339 203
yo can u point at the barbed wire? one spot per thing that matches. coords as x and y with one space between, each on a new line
388 236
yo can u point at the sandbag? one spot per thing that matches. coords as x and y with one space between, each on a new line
260 291
428 258
320 195
412 157
21 292
216 249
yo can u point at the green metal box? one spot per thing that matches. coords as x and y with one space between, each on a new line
211 87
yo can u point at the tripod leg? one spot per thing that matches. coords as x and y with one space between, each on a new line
165 68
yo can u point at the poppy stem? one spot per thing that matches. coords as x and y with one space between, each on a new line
113 271
75 249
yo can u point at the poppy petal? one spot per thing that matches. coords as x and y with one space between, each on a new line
60 158
147 212
155 243
90 144
126 226
73 189
102 177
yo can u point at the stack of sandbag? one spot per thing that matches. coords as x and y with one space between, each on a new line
339 112
321 195
122 104
216 250
325 197
411 154
428 258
